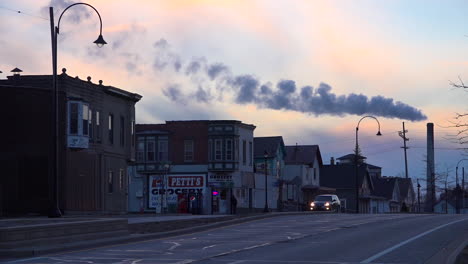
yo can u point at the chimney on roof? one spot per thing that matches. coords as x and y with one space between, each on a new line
16 71
332 161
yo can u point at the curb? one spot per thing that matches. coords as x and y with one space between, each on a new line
37 251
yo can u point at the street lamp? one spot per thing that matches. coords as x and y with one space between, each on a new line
54 30
356 152
265 210
457 188
165 184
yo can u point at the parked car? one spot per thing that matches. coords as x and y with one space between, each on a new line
326 202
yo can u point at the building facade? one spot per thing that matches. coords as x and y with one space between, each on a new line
202 166
96 145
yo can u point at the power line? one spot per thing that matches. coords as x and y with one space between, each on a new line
24 13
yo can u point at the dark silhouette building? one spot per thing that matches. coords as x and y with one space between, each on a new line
96 144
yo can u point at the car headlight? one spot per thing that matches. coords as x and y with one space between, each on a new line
327 204
312 204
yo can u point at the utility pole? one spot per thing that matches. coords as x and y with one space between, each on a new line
402 134
463 190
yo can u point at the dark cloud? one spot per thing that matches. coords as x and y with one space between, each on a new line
194 66
202 96
247 88
164 57
74 14
216 69
173 92
285 96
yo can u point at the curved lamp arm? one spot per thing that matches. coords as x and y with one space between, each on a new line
378 123
100 40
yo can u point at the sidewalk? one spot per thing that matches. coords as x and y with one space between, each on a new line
32 236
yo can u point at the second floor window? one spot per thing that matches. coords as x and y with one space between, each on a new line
111 128
163 150
122 131
244 152
98 126
188 150
85 120
140 150
90 129
150 149
250 153
218 149
74 113
228 149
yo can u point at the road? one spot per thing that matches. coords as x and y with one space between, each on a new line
320 238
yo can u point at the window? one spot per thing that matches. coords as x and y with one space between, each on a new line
150 149
228 149
121 179
163 149
90 129
244 152
98 126
218 149
141 149
110 182
111 128
74 118
188 150
122 131
85 120
315 173
210 150
250 153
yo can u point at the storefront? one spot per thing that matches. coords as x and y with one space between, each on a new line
221 185
177 193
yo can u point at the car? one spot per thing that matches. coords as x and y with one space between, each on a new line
326 202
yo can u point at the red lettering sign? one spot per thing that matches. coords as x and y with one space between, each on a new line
186 181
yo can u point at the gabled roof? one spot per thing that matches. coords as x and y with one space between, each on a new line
350 157
405 185
303 154
270 144
384 187
343 176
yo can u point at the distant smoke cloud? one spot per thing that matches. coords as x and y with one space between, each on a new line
286 95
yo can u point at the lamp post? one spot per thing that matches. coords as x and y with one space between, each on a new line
356 152
54 30
265 210
457 188
165 184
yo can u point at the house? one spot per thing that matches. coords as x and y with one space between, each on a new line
270 151
342 178
95 145
407 194
444 206
204 163
388 189
302 174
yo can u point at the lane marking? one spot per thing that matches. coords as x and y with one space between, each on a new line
208 247
388 250
23 260
174 246
236 262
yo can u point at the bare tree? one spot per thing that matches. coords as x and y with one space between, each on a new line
460 120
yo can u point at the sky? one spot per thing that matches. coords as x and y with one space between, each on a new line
304 70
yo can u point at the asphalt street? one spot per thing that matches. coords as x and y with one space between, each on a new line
321 238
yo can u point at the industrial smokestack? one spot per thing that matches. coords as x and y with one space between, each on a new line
430 175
